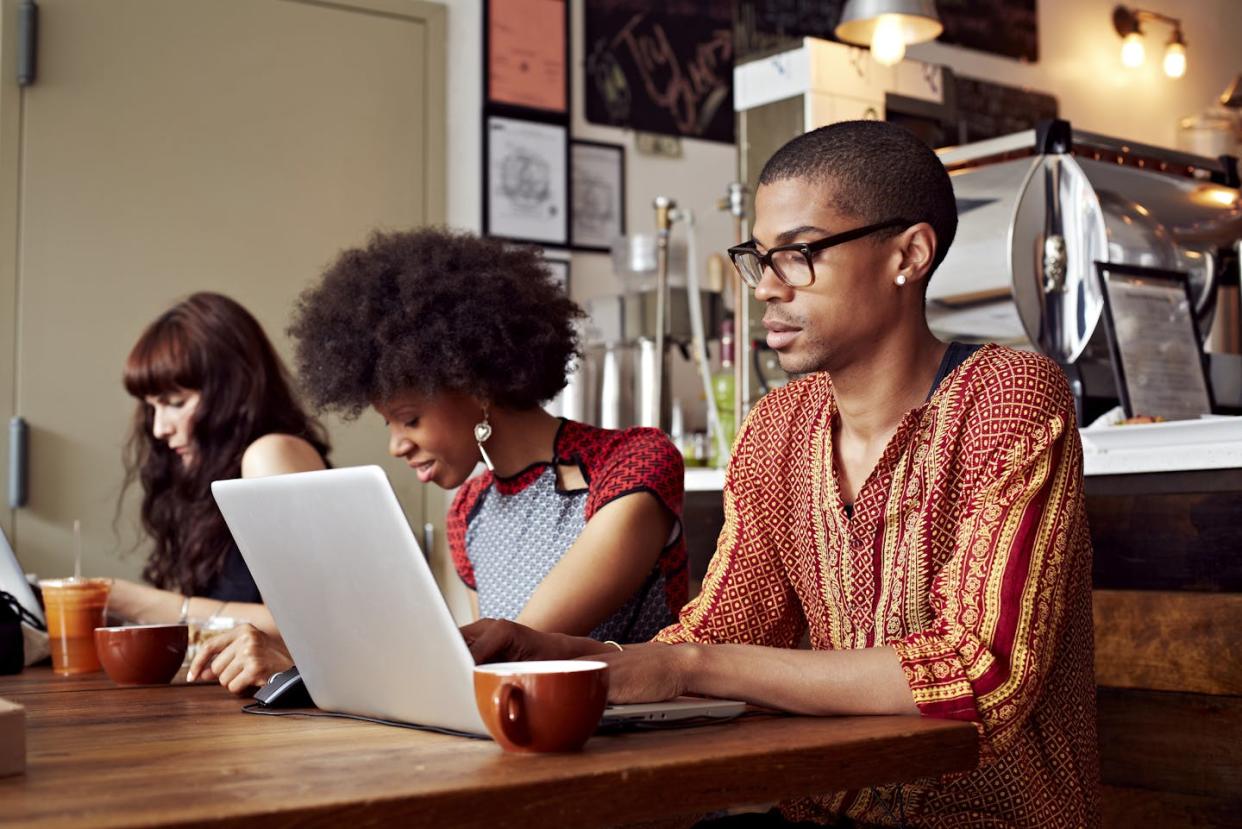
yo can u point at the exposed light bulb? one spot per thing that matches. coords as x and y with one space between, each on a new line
888 41
1175 59
1132 51
1221 196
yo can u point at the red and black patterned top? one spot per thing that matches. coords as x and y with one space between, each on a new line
506 534
967 553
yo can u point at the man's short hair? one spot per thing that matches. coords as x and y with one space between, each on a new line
874 171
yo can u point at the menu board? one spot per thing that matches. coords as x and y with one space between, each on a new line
1003 27
768 26
1157 355
665 68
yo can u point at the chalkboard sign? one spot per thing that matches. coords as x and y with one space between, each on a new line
661 67
765 27
976 109
986 109
1004 27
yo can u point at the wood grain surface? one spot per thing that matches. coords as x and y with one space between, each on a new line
185 755
1130 808
1168 641
1167 541
1179 743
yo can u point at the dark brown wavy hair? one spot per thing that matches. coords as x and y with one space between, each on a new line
211 345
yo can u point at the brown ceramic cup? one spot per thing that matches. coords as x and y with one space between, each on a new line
142 654
541 706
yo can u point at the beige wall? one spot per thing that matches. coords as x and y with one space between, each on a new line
1079 63
465 123
10 103
115 198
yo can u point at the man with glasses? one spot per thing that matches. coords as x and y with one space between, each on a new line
915 507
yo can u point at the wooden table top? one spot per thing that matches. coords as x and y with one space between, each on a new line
99 755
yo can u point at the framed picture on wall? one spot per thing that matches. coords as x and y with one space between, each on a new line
557 263
526 180
526 54
598 215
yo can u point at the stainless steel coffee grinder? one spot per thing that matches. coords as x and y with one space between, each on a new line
640 346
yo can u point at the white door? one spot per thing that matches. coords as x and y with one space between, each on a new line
170 146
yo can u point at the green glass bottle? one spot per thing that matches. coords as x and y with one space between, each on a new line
723 386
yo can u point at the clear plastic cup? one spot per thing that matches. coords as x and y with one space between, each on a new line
74 608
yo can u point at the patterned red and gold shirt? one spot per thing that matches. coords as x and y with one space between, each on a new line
967 552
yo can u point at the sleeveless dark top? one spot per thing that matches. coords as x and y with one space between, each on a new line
234 583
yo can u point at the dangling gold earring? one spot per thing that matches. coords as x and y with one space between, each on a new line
483 431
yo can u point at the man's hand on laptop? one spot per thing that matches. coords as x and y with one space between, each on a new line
242 659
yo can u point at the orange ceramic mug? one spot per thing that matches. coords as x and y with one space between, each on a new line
142 654
74 608
541 706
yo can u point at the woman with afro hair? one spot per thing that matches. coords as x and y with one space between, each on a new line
457 341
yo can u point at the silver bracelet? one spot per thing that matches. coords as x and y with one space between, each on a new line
185 610
616 645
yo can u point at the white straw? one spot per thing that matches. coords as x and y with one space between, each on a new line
77 549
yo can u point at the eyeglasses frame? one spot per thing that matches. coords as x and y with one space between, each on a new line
807 249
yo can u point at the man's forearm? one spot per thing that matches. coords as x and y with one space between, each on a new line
867 681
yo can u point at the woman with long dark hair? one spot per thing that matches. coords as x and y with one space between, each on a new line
215 402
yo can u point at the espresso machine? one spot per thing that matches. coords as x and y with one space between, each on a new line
644 352
1038 209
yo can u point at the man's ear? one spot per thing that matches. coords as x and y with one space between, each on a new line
918 251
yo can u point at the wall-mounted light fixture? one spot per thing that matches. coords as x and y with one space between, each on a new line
1129 25
888 26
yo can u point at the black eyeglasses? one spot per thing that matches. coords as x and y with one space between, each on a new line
794 264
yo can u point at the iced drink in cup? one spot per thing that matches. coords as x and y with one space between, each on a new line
74 608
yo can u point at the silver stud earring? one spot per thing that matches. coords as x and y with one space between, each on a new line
900 280
483 431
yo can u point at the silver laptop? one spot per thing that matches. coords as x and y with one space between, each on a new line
358 607
13 580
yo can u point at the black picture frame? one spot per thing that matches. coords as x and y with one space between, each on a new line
548 148
560 266
1174 281
597 216
501 106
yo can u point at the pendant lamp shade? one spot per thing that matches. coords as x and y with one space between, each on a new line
917 20
1232 97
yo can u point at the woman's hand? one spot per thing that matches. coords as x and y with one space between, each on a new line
242 659
499 640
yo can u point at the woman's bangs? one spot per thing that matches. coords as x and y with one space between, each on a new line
160 363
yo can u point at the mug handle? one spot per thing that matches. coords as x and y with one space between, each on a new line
510 703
